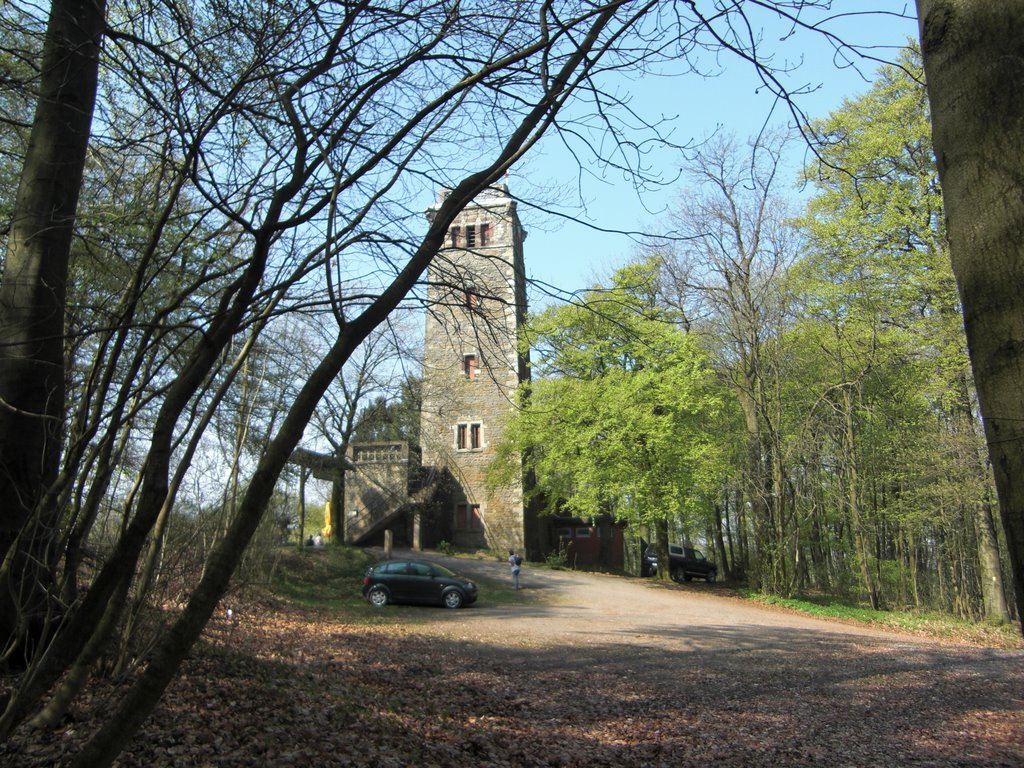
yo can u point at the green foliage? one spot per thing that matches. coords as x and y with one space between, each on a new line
878 199
558 557
892 455
617 419
314 522
392 419
930 624
876 277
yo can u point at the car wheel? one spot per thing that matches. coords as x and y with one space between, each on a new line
687 577
378 597
676 574
452 599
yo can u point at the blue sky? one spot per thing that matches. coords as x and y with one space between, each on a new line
571 256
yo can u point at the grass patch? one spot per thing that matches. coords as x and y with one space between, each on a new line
930 624
322 578
500 592
330 579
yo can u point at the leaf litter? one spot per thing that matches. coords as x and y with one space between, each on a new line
275 687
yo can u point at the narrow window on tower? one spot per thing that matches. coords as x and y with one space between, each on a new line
471 297
461 437
469 366
471 236
485 234
454 233
474 436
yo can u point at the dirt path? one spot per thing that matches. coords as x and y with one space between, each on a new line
675 675
571 607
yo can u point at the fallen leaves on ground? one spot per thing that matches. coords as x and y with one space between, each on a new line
273 687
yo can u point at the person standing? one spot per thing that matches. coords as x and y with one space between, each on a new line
516 561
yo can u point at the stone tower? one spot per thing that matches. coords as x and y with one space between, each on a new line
471 368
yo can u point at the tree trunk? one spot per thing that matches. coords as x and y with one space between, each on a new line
853 498
730 555
783 572
339 535
719 540
661 544
302 507
32 298
742 529
993 598
757 486
973 53
78 675
915 571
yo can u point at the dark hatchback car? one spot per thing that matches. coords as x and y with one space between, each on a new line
415 581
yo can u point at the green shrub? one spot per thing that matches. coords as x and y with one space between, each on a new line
558 558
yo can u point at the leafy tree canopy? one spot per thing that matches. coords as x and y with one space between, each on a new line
618 420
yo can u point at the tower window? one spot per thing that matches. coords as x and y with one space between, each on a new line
471 236
471 297
468 436
469 366
485 234
454 233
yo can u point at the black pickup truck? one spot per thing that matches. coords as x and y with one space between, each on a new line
685 563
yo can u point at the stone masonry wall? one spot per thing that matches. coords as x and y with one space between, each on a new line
377 485
472 367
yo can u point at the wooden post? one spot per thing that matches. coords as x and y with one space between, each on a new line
302 507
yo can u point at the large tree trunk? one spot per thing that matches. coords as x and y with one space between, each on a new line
32 298
973 54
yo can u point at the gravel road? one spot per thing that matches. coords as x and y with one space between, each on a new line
571 606
647 673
